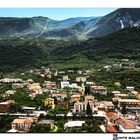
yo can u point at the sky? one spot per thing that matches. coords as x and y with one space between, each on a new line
55 13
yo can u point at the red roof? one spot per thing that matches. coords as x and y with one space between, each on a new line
111 128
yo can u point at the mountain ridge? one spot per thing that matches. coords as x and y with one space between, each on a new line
78 28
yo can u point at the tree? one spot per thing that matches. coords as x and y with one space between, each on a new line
124 110
89 110
36 128
87 89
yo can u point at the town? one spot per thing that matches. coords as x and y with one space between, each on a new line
47 100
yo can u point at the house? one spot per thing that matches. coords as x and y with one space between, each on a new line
116 92
73 124
70 71
117 84
35 88
129 102
59 96
105 105
31 81
130 89
9 80
81 79
107 68
121 96
27 109
82 106
17 85
125 125
65 84
108 105
50 85
49 102
22 124
111 128
99 90
47 71
89 98
9 93
90 83
49 123
75 98
5 106
62 105
74 85
65 78
79 72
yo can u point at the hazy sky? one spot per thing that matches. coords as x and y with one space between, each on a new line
54 13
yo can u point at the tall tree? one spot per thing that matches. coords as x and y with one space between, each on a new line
89 110
124 110
87 89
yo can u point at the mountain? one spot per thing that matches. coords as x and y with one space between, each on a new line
119 19
19 53
39 26
123 44
72 28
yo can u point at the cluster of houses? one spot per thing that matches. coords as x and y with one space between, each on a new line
119 66
68 94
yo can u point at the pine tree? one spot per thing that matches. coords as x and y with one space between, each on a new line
89 110
87 90
124 110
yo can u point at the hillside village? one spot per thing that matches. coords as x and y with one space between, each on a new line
56 101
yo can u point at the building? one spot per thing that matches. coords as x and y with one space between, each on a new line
65 78
73 124
79 72
59 96
82 106
81 79
111 128
49 123
22 124
17 85
116 92
27 109
50 85
117 84
9 93
129 102
65 84
99 90
121 96
105 105
9 80
123 124
89 98
108 105
75 98
35 88
49 102
62 105
5 106
130 89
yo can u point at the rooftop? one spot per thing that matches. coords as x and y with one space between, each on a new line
74 123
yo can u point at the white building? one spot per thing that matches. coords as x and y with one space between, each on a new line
80 79
65 78
65 84
99 90
17 85
130 88
82 106
72 124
